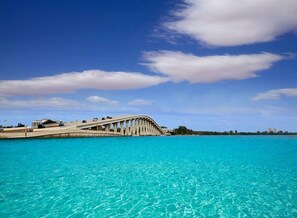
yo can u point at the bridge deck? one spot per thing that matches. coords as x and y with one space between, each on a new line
129 125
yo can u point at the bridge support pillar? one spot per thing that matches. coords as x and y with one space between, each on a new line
145 127
122 127
132 127
127 128
149 129
140 127
107 128
136 130
115 127
152 129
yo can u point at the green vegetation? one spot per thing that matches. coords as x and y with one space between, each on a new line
182 130
20 125
11 126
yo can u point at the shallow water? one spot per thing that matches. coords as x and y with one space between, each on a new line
205 176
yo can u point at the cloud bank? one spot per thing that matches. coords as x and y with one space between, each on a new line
232 23
40 103
140 102
101 100
179 66
276 94
73 81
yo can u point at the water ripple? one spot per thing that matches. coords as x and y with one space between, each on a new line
91 179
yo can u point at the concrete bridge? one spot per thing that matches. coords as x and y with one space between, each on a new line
133 125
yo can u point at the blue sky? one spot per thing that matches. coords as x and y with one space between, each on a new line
197 63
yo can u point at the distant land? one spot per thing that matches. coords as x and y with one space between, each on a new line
183 130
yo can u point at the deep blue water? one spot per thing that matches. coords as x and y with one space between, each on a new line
206 176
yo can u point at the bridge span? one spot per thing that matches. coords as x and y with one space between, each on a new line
132 125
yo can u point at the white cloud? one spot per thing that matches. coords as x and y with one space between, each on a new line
140 102
44 104
98 99
276 94
73 81
179 66
231 23
40 103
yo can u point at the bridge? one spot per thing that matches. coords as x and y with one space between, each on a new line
133 125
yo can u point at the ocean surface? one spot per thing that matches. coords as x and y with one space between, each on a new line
199 176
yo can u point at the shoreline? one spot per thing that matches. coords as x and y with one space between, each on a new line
74 135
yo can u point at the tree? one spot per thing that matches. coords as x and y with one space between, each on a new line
182 130
20 125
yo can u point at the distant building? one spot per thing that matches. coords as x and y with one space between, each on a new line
46 123
272 130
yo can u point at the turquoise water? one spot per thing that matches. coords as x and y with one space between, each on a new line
214 176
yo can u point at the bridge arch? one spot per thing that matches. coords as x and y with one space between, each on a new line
132 125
